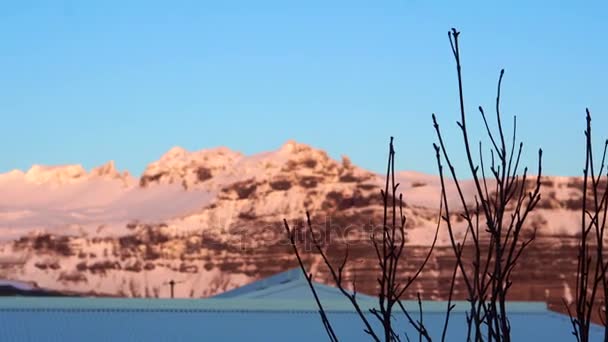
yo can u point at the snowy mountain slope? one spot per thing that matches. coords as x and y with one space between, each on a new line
212 219
60 199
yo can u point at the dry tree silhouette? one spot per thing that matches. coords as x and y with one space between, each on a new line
591 263
494 233
494 222
388 249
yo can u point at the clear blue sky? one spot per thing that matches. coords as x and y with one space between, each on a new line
89 81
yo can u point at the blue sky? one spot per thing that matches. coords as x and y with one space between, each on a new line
89 81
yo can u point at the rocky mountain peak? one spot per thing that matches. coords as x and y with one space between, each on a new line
292 146
302 157
189 168
346 162
174 153
109 171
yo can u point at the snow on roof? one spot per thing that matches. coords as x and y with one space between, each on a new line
290 284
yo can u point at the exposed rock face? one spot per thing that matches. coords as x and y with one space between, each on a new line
212 220
179 166
108 170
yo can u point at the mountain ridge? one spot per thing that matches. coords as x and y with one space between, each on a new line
213 219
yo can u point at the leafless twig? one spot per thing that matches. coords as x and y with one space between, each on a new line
389 249
591 267
498 246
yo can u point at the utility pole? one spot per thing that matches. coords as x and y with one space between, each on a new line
172 284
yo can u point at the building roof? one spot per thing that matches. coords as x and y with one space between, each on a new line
290 284
18 285
276 311
20 288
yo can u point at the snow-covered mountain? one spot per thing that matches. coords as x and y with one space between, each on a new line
212 220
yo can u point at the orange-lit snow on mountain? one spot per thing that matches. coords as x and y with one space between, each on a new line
213 218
